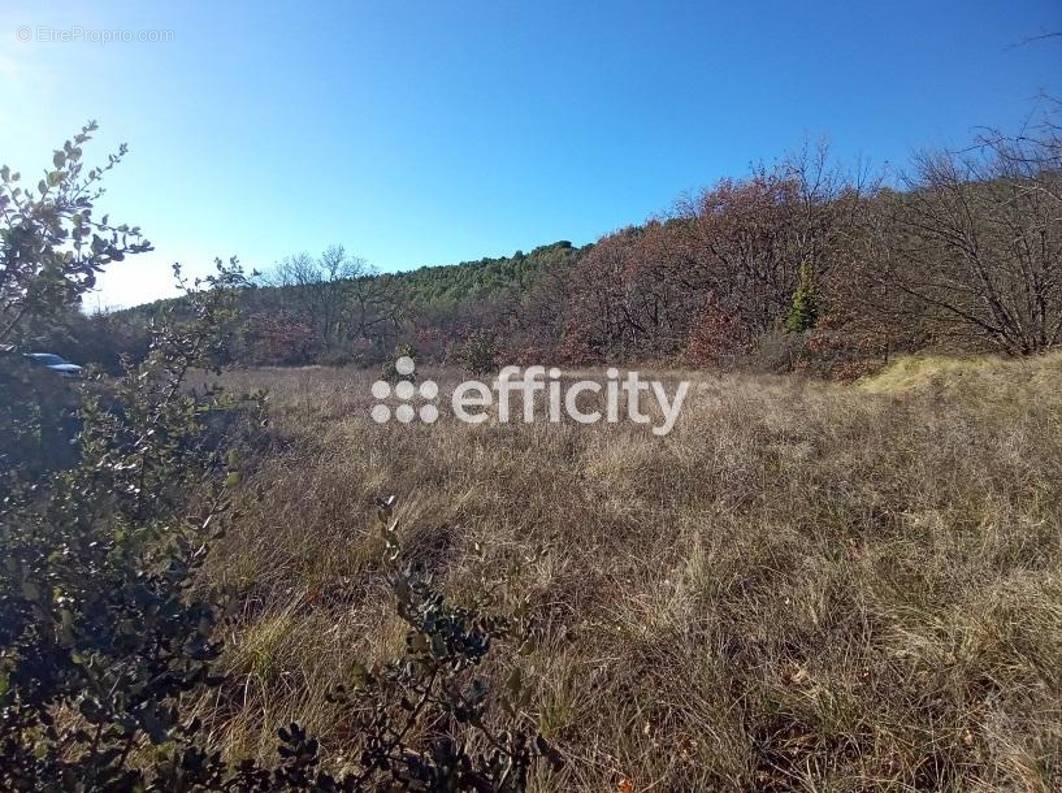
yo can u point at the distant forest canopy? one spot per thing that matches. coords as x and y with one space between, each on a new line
798 265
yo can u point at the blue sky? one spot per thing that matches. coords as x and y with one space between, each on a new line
431 132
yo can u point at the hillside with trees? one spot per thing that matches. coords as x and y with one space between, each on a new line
799 265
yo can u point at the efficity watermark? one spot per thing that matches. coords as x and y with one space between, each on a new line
534 394
77 34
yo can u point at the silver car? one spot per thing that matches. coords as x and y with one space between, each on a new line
55 363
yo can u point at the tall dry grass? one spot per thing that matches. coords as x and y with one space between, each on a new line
803 586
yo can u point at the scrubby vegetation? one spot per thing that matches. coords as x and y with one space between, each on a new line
803 587
109 633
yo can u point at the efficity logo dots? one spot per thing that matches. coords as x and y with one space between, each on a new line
405 390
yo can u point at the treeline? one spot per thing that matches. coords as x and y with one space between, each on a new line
804 266
334 309
799 265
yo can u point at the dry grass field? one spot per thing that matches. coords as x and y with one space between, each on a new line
805 586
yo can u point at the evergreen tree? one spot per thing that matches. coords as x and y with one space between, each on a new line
804 311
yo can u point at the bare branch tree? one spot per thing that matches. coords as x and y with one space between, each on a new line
975 244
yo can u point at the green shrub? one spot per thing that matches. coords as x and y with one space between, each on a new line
102 641
477 353
390 373
804 310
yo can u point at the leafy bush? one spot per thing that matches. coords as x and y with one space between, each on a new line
37 421
476 354
51 246
804 310
390 373
102 641
99 641
433 691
